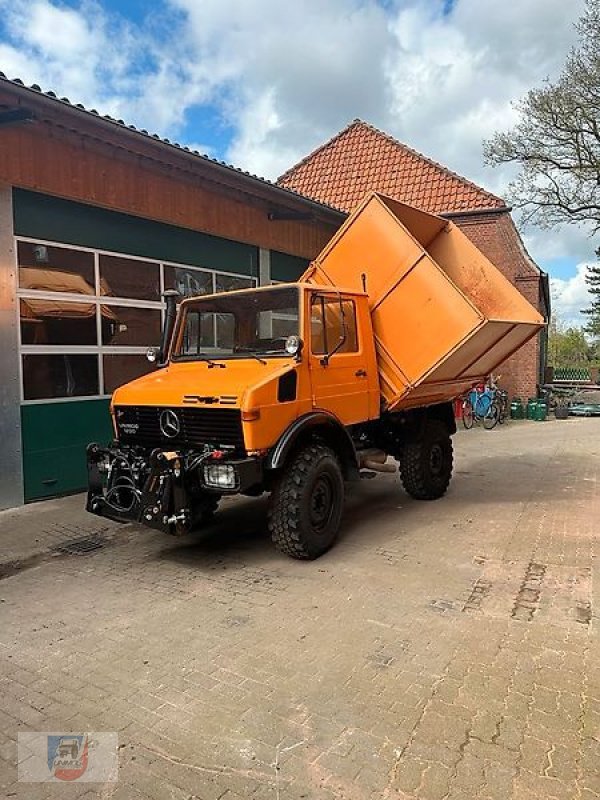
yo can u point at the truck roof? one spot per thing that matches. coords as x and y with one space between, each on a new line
303 285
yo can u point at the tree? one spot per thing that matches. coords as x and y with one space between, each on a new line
567 347
556 143
592 279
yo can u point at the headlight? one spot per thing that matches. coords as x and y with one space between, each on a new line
221 476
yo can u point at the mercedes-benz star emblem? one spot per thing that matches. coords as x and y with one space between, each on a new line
169 423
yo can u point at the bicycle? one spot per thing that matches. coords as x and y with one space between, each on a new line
501 402
479 406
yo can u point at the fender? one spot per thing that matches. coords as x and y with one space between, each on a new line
332 431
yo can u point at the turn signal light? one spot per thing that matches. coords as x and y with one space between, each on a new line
251 415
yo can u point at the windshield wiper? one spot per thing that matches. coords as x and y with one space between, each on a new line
250 352
257 357
212 363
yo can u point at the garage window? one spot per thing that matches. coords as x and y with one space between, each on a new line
87 317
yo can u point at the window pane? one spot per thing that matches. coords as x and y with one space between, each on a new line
199 333
226 322
57 322
55 269
122 369
46 376
251 322
317 328
227 283
188 282
135 327
326 341
123 277
349 328
225 331
284 326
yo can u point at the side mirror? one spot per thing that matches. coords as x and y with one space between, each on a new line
153 354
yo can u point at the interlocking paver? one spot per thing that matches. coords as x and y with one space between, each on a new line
441 651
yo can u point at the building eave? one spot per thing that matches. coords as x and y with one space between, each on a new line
81 119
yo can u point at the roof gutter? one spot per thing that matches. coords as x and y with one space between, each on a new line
476 212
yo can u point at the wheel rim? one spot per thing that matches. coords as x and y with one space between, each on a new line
321 504
436 459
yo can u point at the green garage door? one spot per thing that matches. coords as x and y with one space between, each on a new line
55 436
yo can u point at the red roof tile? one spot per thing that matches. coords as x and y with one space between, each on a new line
361 158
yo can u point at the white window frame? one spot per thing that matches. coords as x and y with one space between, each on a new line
98 300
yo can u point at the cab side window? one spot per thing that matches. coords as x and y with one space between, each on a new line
327 326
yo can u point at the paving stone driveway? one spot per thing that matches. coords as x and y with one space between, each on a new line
441 650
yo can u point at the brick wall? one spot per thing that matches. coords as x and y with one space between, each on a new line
497 238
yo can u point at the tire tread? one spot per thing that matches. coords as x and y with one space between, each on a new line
284 515
412 474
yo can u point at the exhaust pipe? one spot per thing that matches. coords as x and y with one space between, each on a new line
375 460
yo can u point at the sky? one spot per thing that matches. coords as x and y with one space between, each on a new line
261 83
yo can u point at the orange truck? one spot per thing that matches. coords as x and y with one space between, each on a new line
300 389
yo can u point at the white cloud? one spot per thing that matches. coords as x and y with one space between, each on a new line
295 74
98 59
287 76
569 242
570 296
292 74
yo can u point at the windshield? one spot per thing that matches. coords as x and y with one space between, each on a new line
238 325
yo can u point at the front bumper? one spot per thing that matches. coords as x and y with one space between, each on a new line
166 490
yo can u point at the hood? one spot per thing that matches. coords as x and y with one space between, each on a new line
197 383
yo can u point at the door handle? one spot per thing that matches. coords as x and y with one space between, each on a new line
361 373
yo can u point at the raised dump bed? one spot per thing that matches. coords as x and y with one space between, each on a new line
444 317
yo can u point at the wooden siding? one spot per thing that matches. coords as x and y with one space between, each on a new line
78 165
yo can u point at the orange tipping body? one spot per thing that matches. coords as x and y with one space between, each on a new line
444 317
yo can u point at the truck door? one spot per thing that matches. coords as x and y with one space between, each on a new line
338 362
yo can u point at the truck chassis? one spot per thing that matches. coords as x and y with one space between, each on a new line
177 491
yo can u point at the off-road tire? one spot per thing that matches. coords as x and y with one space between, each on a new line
298 526
426 465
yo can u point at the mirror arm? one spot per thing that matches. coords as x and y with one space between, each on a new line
343 337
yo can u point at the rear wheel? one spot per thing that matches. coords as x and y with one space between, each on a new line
306 504
467 414
492 416
426 465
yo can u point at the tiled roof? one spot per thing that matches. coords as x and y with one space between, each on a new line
361 158
17 83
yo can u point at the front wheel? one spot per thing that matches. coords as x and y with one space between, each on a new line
426 465
204 510
306 504
492 416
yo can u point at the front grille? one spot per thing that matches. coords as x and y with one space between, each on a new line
140 425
